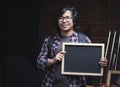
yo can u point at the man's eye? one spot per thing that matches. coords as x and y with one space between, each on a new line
67 17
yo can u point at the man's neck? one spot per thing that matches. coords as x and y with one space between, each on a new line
67 33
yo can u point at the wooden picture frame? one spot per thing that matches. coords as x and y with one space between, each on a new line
82 59
112 77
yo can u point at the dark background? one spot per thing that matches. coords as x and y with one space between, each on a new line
25 23
20 43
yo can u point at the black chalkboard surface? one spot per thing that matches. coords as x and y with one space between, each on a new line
82 59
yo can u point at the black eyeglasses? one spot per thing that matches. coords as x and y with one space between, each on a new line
66 19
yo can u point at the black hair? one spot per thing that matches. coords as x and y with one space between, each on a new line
62 10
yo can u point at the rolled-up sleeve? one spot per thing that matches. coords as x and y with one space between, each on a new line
42 57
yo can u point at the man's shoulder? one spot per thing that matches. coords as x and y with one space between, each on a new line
51 38
83 37
82 34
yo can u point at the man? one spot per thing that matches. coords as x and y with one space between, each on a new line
51 57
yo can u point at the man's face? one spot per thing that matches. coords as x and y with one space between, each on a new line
65 22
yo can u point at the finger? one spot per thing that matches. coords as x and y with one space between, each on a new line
59 59
62 52
103 59
103 62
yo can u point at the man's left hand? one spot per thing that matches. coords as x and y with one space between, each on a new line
103 62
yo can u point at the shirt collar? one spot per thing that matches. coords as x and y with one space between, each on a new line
74 34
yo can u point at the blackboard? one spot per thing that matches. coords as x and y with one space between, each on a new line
82 59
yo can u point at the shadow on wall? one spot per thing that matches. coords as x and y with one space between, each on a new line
19 72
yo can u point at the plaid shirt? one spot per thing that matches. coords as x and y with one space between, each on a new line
43 57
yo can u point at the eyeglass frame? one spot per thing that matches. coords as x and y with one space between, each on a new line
67 18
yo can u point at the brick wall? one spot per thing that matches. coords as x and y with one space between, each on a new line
96 18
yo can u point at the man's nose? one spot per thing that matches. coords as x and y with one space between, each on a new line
64 20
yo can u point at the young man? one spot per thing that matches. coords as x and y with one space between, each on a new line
51 57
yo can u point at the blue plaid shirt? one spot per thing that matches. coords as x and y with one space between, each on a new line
43 57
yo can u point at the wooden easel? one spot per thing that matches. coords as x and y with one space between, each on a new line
113 58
